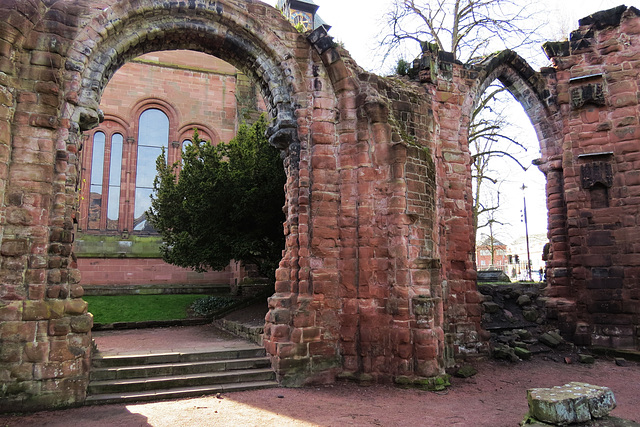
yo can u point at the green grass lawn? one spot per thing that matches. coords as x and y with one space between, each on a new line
139 308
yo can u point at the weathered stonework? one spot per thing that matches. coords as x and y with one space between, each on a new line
377 279
594 264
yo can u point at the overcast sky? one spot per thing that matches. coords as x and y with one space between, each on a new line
358 24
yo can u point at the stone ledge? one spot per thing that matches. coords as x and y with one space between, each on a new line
156 289
631 355
251 333
150 324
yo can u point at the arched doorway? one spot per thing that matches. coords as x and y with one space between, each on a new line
530 90
266 57
253 37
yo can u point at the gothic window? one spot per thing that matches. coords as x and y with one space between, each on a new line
186 136
185 144
103 204
153 135
115 171
96 181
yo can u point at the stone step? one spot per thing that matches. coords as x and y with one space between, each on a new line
101 361
174 369
176 393
179 381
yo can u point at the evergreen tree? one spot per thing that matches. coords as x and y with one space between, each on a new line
223 203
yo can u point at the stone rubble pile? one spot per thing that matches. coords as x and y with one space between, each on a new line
514 315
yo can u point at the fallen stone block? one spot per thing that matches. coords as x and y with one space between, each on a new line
505 352
571 403
490 307
465 371
522 353
523 300
556 335
586 358
524 334
531 314
621 361
550 340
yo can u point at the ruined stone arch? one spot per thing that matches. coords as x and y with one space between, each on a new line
251 36
114 37
531 89
61 71
377 280
527 86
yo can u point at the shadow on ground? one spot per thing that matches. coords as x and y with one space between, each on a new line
495 397
109 415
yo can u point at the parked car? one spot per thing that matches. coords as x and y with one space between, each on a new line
493 275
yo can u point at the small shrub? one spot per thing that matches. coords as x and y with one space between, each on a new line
208 306
402 68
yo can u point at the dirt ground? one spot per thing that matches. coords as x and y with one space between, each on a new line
495 397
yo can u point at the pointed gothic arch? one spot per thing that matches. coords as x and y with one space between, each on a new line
528 87
531 89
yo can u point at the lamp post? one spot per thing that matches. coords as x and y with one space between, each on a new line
526 230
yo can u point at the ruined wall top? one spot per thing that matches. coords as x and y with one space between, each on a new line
585 37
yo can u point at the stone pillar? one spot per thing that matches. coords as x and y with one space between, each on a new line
44 325
595 294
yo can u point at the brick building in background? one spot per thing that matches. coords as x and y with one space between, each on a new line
485 259
151 103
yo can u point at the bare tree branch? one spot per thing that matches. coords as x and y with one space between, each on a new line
471 29
466 28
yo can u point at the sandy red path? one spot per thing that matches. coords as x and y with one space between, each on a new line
495 397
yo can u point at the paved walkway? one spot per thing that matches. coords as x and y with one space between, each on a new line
495 397
166 340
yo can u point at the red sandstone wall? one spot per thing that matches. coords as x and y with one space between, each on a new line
196 88
597 91
199 87
45 101
137 271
